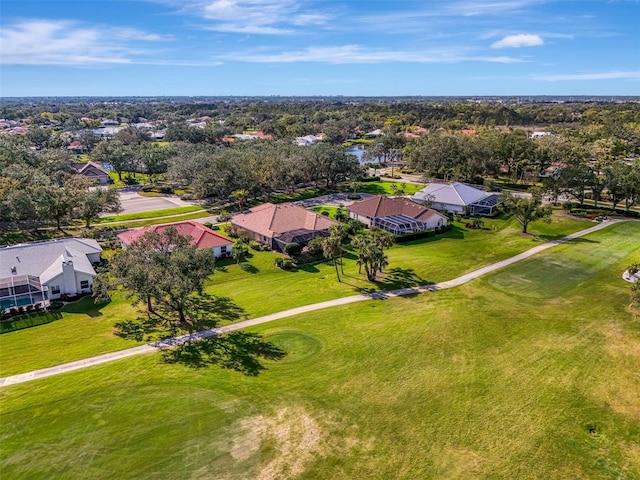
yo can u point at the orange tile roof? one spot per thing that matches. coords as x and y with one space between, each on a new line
272 220
201 236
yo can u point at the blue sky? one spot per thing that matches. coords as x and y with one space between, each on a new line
304 47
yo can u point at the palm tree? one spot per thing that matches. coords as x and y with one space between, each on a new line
332 249
241 195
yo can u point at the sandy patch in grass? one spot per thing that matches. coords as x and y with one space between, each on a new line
248 442
296 436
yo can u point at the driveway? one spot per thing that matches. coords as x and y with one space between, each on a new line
335 199
133 203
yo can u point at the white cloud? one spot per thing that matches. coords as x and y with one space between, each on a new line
590 76
265 17
353 54
519 40
66 42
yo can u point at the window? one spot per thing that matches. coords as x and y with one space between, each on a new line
223 249
84 284
55 289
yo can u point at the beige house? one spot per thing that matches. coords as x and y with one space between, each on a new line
281 224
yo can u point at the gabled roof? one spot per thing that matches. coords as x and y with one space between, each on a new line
44 259
377 207
90 169
451 193
201 236
272 220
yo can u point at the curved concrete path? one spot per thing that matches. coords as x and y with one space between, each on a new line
153 347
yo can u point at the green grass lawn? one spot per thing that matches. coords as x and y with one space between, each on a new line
530 372
266 289
80 330
383 187
152 214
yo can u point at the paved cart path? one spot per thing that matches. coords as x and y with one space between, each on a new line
154 347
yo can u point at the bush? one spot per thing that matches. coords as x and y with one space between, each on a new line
293 249
265 248
147 188
314 247
354 196
208 224
373 178
56 305
284 263
224 216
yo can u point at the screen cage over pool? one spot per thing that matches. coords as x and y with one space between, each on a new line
22 291
399 224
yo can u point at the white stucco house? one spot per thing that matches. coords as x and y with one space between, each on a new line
457 198
34 273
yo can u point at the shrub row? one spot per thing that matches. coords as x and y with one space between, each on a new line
157 189
418 235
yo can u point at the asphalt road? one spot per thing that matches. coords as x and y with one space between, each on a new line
88 362
133 203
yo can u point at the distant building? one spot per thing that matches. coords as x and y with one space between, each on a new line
93 172
308 139
534 135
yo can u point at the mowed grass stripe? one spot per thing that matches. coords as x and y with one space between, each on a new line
473 382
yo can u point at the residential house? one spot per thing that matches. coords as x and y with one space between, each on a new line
374 133
77 148
35 273
534 135
93 172
201 236
458 198
308 139
397 215
281 224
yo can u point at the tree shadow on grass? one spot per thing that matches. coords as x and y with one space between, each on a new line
247 267
308 267
85 305
397 278
239 351
550 238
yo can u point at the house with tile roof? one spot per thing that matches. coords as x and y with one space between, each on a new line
201 236
281 224
34 273
397 215
458 198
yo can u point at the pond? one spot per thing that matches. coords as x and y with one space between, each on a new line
358 151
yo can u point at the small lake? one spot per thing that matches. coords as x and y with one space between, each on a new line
358 151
